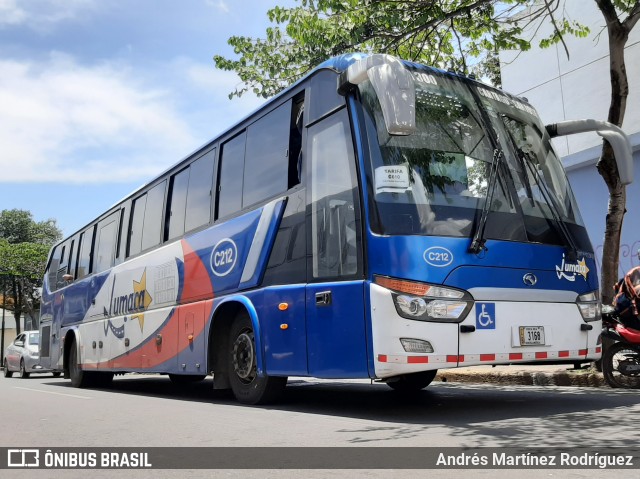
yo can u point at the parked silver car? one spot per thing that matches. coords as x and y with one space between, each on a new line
23 356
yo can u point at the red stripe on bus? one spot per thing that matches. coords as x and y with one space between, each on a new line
563 354
417 359
382 358
583 352
515 356
487 357
542 355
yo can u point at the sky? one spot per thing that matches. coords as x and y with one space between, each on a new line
99 96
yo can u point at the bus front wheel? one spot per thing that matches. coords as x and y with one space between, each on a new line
412 382
248 387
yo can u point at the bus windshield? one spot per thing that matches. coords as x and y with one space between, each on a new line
436 180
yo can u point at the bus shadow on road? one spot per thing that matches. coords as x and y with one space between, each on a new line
460 405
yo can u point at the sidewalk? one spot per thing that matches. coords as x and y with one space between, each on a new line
552 375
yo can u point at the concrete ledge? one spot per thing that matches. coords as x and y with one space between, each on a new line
534 376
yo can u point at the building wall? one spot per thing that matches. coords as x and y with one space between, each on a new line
9 327
578 87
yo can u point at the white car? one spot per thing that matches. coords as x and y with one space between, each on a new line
23 356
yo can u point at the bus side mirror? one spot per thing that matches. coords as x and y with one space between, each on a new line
393 85
610 132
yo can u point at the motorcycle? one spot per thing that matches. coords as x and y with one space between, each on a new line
621 333
621 359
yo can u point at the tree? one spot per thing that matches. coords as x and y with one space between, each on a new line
463 35
24 247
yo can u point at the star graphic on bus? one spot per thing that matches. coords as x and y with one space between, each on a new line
582 268
140 291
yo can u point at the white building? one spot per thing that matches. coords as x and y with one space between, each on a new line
578 87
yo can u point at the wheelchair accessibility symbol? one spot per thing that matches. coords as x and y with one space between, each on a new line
485 315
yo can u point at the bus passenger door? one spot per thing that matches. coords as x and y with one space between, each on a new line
336 333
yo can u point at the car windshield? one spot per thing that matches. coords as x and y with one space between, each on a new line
436 180
34 339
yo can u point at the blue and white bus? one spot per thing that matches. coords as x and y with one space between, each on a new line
378 219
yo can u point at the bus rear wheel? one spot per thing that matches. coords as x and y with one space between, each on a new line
248 387
84 379
412 382
79 377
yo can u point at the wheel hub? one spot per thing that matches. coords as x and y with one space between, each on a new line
244 357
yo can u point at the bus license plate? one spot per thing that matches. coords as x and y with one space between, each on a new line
531 335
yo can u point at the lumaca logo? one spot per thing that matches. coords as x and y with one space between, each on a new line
569 271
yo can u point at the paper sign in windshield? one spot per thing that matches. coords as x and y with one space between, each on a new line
392 179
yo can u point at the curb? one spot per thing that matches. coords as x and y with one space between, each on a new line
577 378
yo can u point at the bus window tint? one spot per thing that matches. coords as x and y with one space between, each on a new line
177 204
61 268
230 182
137 223
199 196
106 242
153 216
266 168
84 260
334 230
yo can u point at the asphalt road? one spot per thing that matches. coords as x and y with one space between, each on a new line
142 411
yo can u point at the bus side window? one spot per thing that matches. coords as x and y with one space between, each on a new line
230 176
86 252
153 216
266 164
71 264
199 195
136 225
52 270
59 265
334 198
295 141
106 242
177 204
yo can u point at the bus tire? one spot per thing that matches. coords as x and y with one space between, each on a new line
412 382
23 374
5 368
79 377
247 386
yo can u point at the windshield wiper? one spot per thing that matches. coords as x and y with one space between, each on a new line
478 242
572 252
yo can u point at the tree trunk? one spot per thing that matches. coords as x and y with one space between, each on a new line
17 303
607 165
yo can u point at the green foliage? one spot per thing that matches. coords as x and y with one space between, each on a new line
23 260
463 35
24 248
18 226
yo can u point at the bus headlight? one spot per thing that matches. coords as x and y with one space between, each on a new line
426 302
590 306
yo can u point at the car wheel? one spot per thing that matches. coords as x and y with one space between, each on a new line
5 368
23 370
57 374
